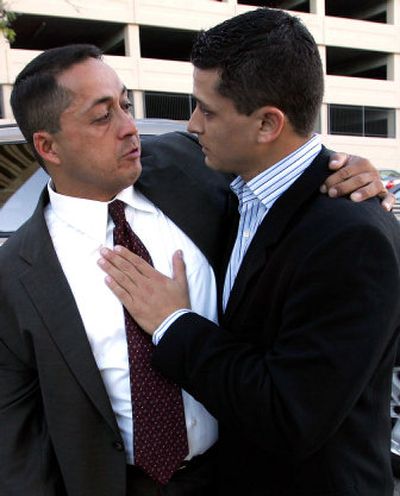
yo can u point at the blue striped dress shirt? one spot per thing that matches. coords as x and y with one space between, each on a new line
257 196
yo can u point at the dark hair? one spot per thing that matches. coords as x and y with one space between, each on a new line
265 57
37 100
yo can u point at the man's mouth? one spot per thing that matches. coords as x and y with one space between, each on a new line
132 152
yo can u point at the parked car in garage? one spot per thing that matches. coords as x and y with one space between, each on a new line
390 178
396 192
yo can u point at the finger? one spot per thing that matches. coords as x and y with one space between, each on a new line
179 276
341 175
128 262
126 279
132 259
363 193
123 254
374 188
337 160
354 166
388 200
364 185
125 297
112 263
179 268
361 187
335 179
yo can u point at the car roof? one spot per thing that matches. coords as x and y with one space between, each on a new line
10 133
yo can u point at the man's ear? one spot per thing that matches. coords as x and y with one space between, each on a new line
272 121
44 144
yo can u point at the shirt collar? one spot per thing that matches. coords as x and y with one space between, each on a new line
90 216
267 186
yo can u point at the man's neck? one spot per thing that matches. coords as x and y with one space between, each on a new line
275 152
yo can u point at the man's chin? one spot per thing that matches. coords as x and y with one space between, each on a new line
209 163
132 173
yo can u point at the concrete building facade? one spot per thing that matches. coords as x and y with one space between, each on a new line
148 43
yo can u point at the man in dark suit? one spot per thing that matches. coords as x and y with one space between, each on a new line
298 371
67 424
66 416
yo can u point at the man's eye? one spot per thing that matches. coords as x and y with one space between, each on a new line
127 106
103 118
205 112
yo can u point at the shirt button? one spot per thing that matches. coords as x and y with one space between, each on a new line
118 446
246 234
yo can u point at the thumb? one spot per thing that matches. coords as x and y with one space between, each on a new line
179 268
338 160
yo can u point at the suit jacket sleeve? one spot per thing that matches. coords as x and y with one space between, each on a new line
26 456
338 320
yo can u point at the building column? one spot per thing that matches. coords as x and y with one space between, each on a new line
324 120
317 7
138 104
5 82
322 54
132 50
132 41
392 12
391 67
6 106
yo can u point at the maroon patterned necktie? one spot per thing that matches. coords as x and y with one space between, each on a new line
160 437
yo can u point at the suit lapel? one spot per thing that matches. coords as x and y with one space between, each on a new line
49 292
274 225
195 198
233 221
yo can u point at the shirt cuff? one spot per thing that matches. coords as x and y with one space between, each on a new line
164 326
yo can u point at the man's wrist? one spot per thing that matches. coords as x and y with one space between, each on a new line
165 325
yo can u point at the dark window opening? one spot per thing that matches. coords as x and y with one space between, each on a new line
296 5
36 32
356 63
166 44
371 122
367 10
176 106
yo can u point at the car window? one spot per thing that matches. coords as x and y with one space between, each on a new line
21 204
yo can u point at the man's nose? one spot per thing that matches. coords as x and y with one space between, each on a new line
128 125
194 122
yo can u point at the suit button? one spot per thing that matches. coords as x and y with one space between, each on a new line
118 446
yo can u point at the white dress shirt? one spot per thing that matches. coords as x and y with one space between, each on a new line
78 228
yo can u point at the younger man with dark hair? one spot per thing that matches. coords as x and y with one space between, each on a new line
298 372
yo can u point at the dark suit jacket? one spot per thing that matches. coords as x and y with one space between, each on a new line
299 371
58 433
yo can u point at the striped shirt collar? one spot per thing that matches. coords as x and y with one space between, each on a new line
270 184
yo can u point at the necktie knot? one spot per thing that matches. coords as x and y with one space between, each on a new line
116 210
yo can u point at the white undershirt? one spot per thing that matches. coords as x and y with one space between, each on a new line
78 228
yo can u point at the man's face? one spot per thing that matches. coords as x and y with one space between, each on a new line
98 147
228 138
